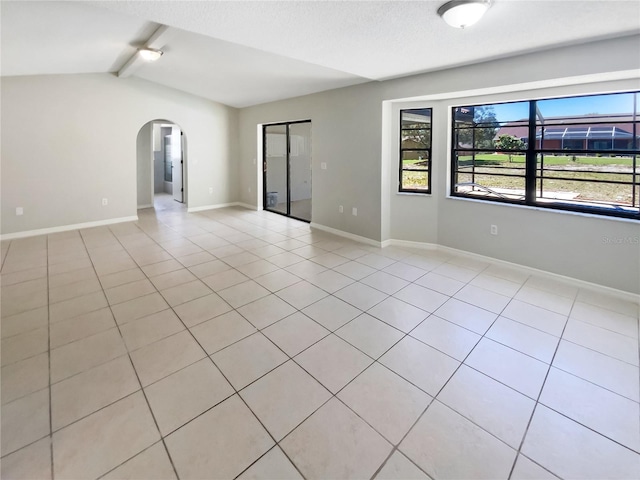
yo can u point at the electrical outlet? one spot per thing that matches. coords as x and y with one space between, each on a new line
323 165
105 202
354 211
341 209
210 190
494 230
249 189
19 211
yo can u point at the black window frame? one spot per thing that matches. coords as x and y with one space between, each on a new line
402 169
532 170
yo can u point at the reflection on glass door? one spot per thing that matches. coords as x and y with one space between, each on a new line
275 169
287 169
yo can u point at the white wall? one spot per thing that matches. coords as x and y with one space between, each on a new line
57 162
345 134
360 147
144 146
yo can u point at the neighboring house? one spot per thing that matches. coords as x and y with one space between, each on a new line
598 132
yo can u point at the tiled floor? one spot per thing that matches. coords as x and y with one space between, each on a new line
240 344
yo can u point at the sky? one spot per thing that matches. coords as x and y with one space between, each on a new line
602 104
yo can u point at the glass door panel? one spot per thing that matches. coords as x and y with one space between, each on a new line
276 181
300 170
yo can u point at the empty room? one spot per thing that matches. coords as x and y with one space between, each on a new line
340 239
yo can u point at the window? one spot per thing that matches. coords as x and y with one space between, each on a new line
572 153
415 150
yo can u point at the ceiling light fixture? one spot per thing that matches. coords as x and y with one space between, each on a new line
463 13
150 54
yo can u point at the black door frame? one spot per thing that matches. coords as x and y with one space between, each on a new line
264 168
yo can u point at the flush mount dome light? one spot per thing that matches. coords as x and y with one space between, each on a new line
149 54
463 13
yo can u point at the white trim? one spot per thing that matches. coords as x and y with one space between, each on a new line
140 207
221 205
411 244
348 235
540 208
211 207
66 228
248 206
633 297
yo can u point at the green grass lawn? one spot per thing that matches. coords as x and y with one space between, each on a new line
586 191
499 159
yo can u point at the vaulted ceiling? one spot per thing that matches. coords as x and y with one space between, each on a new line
243 53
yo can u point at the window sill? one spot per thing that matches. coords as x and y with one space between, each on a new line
415 194
543 209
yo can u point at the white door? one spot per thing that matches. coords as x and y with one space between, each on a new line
176 159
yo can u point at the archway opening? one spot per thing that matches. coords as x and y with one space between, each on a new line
161 166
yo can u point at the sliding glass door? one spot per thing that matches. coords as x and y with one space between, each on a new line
276 173
287 169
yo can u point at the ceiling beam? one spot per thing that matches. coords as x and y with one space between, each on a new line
156 41
160 37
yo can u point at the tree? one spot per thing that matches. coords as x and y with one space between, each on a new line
510 143
486 125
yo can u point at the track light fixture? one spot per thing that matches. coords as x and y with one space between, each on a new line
150 54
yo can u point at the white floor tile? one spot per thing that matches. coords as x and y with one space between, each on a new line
516 370
612 415
425 367
584 453
398 314
523 338
489 404
220 443
335 443
423 298
333 362
608 372
446 445
369 335
466 315
372 393
447 337
262 294
284 398
604 341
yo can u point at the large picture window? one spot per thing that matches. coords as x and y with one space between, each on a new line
572 153
415 150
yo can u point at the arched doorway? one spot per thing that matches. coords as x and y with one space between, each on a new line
161 166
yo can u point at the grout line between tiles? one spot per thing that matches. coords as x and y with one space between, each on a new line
537 400
137 378
185 237
236 392
49 365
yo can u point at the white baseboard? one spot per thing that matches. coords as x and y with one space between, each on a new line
629 296
348 235
248 206
66 228
140 207
411 244
210 207
221 205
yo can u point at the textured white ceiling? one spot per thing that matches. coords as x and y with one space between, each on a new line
65 37
240 75
247 52
384 39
